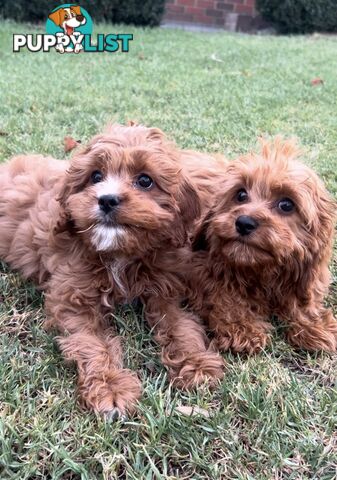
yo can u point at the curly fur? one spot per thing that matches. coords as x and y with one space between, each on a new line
53 231
281 268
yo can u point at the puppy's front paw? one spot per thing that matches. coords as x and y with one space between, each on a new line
241 338
113 394
314 337
199 368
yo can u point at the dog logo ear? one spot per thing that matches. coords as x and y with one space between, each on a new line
199 239
56 17
76 9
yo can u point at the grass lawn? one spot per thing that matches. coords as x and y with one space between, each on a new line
275 415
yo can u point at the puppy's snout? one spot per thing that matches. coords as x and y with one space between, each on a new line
108 202
80 18
245 225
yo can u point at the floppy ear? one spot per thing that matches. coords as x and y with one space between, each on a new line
199 239
56 17
189 202
189 210
326 211
64 221
76 9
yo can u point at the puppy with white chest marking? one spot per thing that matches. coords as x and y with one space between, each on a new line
105 229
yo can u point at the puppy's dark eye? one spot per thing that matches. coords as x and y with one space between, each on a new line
242 195
144 181
286 205
96 176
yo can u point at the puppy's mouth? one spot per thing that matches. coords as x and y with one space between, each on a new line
247 246
120 219
253 246
70 30
112 222
108 221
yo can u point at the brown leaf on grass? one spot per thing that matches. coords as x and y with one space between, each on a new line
70 144
317 81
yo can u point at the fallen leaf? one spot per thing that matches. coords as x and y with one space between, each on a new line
317 81
70 144
141 56
192 411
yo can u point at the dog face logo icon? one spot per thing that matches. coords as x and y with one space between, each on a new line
69 23
68 18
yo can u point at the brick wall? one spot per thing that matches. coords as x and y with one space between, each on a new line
229 14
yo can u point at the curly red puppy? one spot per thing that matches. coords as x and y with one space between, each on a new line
263 250
106 229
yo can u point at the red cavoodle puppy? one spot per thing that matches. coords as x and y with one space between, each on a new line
263 249
105 229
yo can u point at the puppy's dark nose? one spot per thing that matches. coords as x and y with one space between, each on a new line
245 225
80 18
108 202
